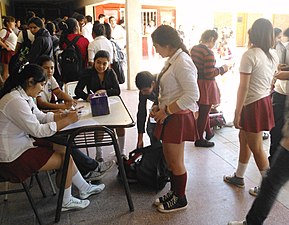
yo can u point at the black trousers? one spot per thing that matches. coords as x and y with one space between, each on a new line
279 105
277 176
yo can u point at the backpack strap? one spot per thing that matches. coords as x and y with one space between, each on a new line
8 32
25 35
71 43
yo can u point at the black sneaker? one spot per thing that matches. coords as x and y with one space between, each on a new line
164 198
210 136
173 205
204 143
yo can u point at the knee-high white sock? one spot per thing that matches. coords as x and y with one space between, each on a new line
241 169
99 153
67 195
79 182
121 144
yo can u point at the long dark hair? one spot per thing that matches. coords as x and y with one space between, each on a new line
261 35
21 78
37 21
68 27
166 35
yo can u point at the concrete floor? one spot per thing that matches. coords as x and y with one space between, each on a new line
211 201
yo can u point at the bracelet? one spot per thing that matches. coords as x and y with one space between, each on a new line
167 111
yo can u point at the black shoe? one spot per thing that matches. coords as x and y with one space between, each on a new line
265 136
210 136
174 204
204 143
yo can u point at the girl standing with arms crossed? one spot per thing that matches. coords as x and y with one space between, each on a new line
254 113
178 96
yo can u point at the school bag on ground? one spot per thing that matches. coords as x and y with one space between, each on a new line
119 62
147 166
19 59
70 61
217 119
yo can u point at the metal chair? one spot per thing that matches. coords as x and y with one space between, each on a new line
92 136
25 188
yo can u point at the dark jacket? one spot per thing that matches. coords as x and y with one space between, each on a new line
142 110
91 81
42 45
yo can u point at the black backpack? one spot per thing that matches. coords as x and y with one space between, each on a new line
70 61
19 59
118 62
147 166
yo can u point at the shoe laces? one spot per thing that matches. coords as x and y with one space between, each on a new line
166 196
172 201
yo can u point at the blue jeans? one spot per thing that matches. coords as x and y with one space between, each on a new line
277 176
84 163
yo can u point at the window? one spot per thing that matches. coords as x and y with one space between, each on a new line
146 16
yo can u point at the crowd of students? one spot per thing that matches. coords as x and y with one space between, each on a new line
182 95
36 87
258 69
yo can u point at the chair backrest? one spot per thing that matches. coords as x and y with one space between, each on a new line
92 136
70 87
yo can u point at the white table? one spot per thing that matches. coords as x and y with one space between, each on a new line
119 115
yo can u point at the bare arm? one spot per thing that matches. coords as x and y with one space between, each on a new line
64 119
241 97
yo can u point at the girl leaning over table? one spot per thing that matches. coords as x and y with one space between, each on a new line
98 79
175 112
21 121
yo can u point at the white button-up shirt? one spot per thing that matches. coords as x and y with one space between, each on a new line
179 83
99 43
20 119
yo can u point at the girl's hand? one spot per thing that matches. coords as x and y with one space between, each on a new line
153 110
72 116
237 121
160 116
68 104
196 114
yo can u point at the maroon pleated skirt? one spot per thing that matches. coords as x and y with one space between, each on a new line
209 92
6 56
31 161
180 127
258 116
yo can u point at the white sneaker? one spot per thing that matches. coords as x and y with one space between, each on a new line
104 166
254 191
237 223
75 204
92 190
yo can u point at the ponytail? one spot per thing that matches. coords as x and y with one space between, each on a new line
166 35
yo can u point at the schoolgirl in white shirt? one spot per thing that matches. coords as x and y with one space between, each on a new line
21 123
